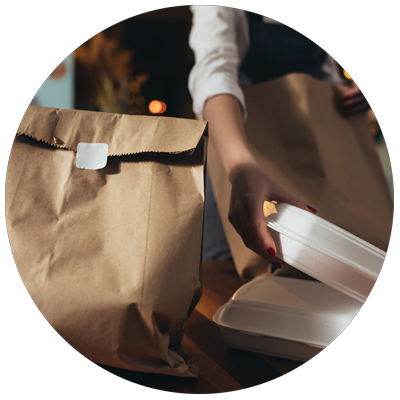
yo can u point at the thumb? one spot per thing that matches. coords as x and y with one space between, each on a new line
259 235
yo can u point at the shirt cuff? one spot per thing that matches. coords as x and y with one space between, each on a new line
213 86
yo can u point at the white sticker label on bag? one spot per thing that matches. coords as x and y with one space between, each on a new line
91 155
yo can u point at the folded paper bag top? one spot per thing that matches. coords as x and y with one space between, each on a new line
92 246
124 134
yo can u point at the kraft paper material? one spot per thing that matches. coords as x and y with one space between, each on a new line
298 134
111 257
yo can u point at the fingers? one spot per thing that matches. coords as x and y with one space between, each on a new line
235 221
248 220
354 101
249 191
356 108
258 230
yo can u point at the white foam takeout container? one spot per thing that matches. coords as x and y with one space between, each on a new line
324 251
293 318
285 317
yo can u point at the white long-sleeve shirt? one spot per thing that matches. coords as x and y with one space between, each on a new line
219 39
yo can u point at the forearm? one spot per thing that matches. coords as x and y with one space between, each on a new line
227 132
251 185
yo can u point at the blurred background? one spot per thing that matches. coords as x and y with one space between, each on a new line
138 66
141 66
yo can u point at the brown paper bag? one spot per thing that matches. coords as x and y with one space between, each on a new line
297 133
111 257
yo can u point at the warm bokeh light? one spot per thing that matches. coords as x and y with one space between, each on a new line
157 107
347 75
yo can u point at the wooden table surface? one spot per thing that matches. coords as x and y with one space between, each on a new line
43 366
27 366
221 368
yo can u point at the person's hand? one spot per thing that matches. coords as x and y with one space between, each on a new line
251 186
354 101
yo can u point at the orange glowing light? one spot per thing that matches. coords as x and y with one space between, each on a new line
347 75
157 107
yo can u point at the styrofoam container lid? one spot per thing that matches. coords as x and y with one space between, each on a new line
291 309
325 251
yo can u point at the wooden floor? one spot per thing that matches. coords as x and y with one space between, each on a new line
221 369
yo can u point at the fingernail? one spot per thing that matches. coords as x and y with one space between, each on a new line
312 209
277 265
271 251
